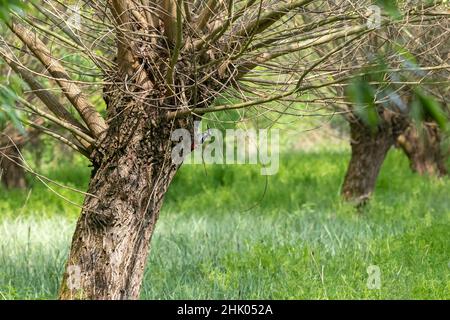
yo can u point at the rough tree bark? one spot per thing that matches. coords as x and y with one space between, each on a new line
368 151
422 146
369 147
132 172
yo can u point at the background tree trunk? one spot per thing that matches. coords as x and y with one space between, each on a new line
12 141
422 146
12 175
369 150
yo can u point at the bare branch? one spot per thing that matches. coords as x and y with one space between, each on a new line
71 128
169 19
178 44
298 46
49 100
86 110
125 56
206 13
269 18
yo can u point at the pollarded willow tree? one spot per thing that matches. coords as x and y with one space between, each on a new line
399 97
425 140
159 65
408 111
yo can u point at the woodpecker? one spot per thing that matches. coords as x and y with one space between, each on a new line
200 138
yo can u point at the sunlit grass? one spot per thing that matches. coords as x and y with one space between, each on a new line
222 235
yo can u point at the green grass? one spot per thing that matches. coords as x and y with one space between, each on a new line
222 235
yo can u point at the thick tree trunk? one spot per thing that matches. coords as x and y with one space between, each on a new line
422 146
132 171
369 150
11 173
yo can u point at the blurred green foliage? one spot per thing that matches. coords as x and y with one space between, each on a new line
362 94
391 7
376 83
425 107
6 6
8 106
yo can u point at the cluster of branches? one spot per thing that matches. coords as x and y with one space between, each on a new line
248 54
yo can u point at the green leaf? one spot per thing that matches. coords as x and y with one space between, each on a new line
390 7
9 6
416 112
406 55
432 109
8 101
361 93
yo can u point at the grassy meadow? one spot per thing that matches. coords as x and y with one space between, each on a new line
230 233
